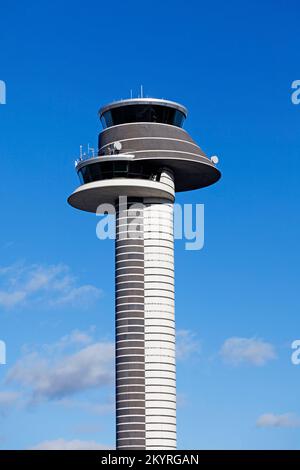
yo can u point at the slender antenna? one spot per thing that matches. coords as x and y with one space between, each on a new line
80 151
142 92
131 94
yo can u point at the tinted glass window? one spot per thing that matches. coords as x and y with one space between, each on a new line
142 113
108 170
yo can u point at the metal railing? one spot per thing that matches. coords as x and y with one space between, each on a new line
111 151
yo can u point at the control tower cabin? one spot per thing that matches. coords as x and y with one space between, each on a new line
145 155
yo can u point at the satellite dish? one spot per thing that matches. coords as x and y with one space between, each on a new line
117 146
215 159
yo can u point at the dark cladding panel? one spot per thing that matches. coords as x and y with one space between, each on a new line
130 332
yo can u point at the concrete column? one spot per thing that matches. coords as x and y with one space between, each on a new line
145 324
130 327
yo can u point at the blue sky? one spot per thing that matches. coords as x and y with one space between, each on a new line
237 300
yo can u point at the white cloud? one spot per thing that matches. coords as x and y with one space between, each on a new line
8 399
253 351
76 444
73 339
51 378
54 285
187 344
270 420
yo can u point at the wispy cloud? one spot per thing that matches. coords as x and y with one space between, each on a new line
75 444
270 420
253 351
8 399
73 339
52 378
53 285
187 344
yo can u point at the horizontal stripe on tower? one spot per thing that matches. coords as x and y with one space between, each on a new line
129 329
137 306
129 256
129 270
130 419
167 330
133 388
130 344
161 404
130 442
131 337
165 357
125 289
131 411
130 359
132 315
159 343
127 219
125 386
131 405
167 278
123 293
160 413
128 322
132 235
129 264
129 242
160 287
131 249
129 352
158 368
160 426
130 366
166 375
130 434
125 283
132 447
129 375
159 300
133 427
121 278
129 299
163 310
161 397
127 397
153 322
159 238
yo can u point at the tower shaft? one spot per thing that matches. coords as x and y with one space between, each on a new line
145 324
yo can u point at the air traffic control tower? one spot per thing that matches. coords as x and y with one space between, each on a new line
145 155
